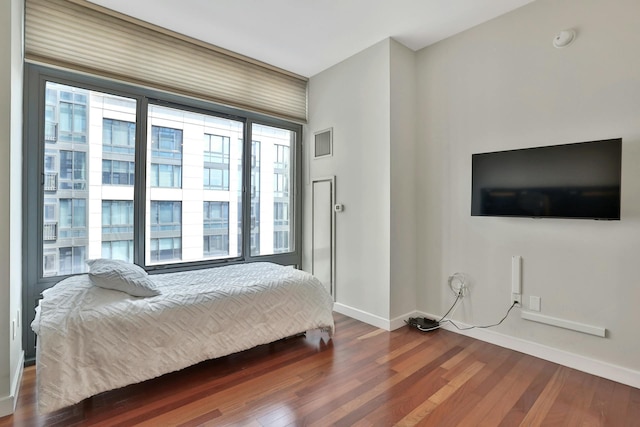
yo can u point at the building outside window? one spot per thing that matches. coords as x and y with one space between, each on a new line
118 249
180 223
280 213
166 157
72 116
216 229
281 241
117 217
72 260
216 162
73 218
255 197
166 216
118 136
168 176
166 249
282 156
115 172
73 170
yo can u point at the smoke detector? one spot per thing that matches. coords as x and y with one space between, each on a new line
564 38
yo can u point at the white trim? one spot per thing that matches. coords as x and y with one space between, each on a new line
372 319
8 403
363 316
399 322
595 367
332 181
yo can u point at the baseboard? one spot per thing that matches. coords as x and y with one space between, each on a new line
591 366
8 403
372 319
363 316
400 321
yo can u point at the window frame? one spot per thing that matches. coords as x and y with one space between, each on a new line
36 76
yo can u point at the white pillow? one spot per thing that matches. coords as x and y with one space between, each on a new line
121 276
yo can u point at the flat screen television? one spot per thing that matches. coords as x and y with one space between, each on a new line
579 180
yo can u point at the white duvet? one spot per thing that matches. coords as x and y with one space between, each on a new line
92 340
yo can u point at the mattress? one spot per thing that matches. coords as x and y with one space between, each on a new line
91 339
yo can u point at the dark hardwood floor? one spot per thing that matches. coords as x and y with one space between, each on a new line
364 376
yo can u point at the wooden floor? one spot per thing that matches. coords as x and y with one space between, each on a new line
364 376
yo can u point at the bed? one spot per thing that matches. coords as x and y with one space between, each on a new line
92 339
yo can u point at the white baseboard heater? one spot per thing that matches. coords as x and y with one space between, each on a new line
566 324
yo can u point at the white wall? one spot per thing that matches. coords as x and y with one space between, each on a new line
11 355
502 85
353 97
369 100
404 214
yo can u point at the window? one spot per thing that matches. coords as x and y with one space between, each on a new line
191 204
118 249
270 195
73 218
50 263
166 216
280 213
117 217
118 136
166 175
166 231
216 162
216 149
281 156
73 170
115 172
72 119
72 260
216 245
280 241
216 229
166 143
216 215
166 249
166 157
50 115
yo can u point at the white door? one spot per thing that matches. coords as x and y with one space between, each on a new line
323 220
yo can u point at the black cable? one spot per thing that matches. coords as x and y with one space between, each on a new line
485 326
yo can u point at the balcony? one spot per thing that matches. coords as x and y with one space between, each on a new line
50 181
50 231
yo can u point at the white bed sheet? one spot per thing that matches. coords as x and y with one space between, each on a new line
92 340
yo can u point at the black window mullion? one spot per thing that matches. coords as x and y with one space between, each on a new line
140 188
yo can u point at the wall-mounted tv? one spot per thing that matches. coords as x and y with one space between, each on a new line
579 180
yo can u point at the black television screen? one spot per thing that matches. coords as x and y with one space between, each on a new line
579 180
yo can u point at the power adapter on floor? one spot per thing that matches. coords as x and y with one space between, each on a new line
423 324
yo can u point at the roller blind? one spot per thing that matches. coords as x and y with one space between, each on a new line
74 35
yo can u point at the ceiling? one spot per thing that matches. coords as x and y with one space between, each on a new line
309 36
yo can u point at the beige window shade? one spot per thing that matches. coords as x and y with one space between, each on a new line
73 35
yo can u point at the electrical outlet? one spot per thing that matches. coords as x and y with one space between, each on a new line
534 303
516 298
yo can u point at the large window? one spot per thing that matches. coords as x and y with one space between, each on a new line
271 200
118 171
